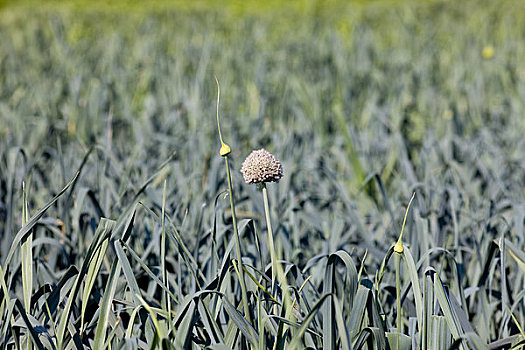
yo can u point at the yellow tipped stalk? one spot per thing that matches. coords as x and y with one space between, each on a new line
225 149
398 247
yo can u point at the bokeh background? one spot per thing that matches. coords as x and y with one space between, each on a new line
364 103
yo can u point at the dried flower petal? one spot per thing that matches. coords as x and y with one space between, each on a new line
261 166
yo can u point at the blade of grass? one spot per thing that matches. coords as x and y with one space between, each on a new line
10 306
242 324
358 311
90 278
374 343
30 328
131 322
416 288
329 310
341 327
53 299
104 230
160 330
148 271
183 322
128 272
174 236
9 321
210 324
26 256
446 308
399 341
428 298
295 342
25 231
26 260
105 306
166 301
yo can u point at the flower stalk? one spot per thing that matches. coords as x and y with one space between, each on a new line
224 151
398 249
259 168
271 246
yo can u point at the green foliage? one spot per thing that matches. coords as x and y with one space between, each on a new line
128 233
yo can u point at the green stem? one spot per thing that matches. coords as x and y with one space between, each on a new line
167 303
277 272
224 151
26 255
271 247
218 100
238 246
398 248
260 319
397 262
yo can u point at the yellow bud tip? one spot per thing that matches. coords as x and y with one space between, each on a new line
225 150
398 247
488 52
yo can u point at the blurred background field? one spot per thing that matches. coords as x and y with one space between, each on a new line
363 102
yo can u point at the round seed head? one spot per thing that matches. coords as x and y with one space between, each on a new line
261 166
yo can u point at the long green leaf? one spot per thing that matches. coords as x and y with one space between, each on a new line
416 288
148 271
25 231
446 308
357 313
341 327
244 326
26 257
376 341
105 306
104 229
30 328
295 342
91 276
128 272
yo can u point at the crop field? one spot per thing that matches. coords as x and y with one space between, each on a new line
399 219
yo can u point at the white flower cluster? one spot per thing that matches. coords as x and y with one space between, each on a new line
261 166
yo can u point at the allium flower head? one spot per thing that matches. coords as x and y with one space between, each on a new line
261 166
